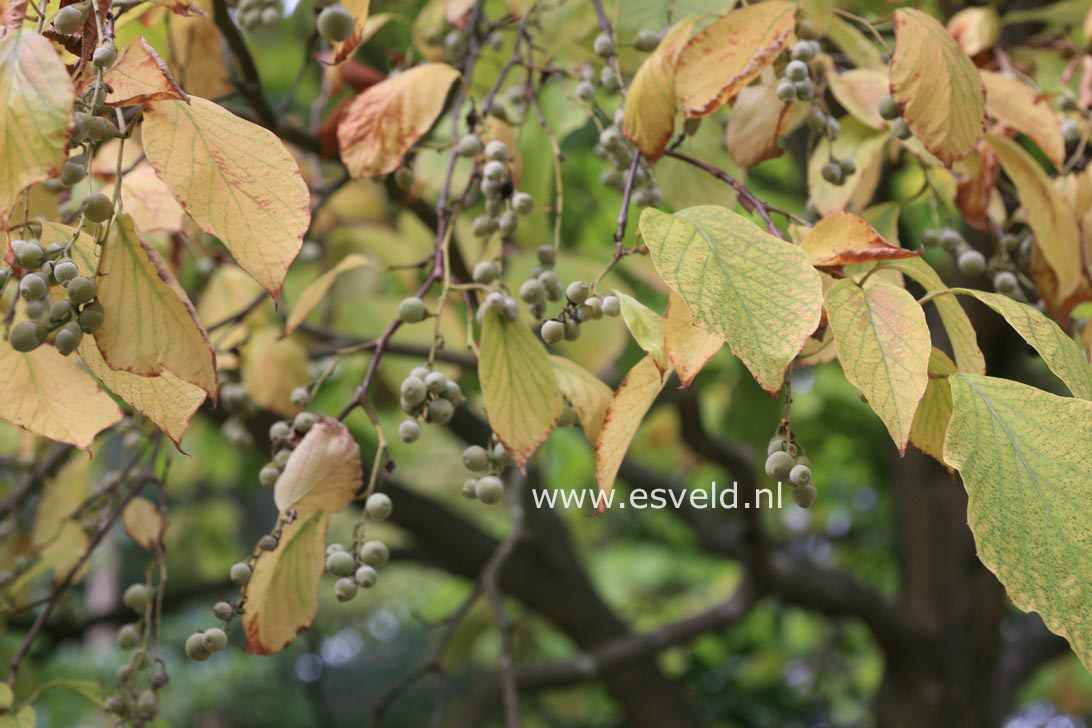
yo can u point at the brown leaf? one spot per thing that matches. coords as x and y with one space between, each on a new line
757 123
844 238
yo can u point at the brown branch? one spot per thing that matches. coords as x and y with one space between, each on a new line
49 464
746 197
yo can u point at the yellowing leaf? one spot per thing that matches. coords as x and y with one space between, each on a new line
760 294
937 86
36 99
1049 215
883 344
522 398
383 122
649 115
935 410
758 122
688 347
975 29
1059 352
844 238
315 292
646 326
344 48
589 396
323 472
150 325
272 367
148 200
140 77
631 403
730 53
229 293
235 179
164 399
1018 106
1023 455
860 91
865 147
282 596
49 395
856 45
196 59
59 537
143 522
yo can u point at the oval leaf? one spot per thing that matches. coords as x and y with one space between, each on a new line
631 403
688 347
844 238
316 292
143 522
1023 455
323 472
1018 106
935 409
883 344
235 179
760 294
271 368
937 86
588 395
140 77
646 326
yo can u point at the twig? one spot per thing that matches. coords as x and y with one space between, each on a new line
746 197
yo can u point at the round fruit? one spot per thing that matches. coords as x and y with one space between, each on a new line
468 488
475 458
930 238
30 255
436 382
409 431
832 172
374 553
804 496
553 332
279 430
950 239
68 339
105 55
223 610
805 90
972 263
779 464
68 20
469 146
268 543
849 167
611 306
366 577
440 411
1071 132
300 397
496 150
777 444
60 311
577 291
24 336
136 597
523 203
412 310
214 639
81 290
603 45
268 475
240 573
796 71
804 50
889 110
902 131
65 270
303 422
72 172
195 647
345 589
33 287
494 170
1004 282
646 41
786 91
340 563
485 272
532 291
128 636
489 490
335 23
378 506
91 317
800 475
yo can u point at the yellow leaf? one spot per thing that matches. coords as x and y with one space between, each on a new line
36 99
323 472
1020 107
760 294
143 522
865 147
758 122
860 91
844 238
229 293
149 202
1051 218
522 398
140 76
150 325
384 121
282 596
649 115
646 326
730 53
1023 455
196 59
344 48
688 347
957 324
60 537
631 403
935 410
49 395
858 48
164 399
589 396
937 86
975 29
315 292
235 179
272 367
883 344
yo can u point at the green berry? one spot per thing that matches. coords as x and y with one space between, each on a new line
374 553
214 639
403 177
646 41
129 636
468 488
832 172
440 411
240 573
806 29
800 475
777 444
603 45
24 336
300 397
68 339
60 311
532 291
280 430
68 20
409 431
268 475
340 563
366 576
849 167
611 306
379 506
475 458
73 172
412 310
1071 132
804 50
496 150
195 647
951 240
779 464
805 90
65 270
585 91
485 272
796 71
223 610
902 131
136 597
889 110
345 589
335 23
105 55
786 91
303 422
436 382
268 542
489 490
523 203
91 317
971 263
81 290
33 287
930 238
495 170
30 255
552 332
1004 282
577 291
469 146
804 496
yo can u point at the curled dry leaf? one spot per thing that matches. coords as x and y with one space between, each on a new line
140 77
383 122
845 238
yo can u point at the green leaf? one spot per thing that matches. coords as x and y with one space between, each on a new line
883 345
1058 351
282 596
1023 455
519 386
757 292
647 328
35 109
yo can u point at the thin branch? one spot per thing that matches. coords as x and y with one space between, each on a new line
746 197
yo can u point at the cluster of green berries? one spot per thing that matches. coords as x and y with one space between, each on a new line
490 461
541 287
582 306
134 701
889 111
428 396
236 402
974 264
618 152
504 205
61 322
785 461
283 438
253 14
796 83
359 569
